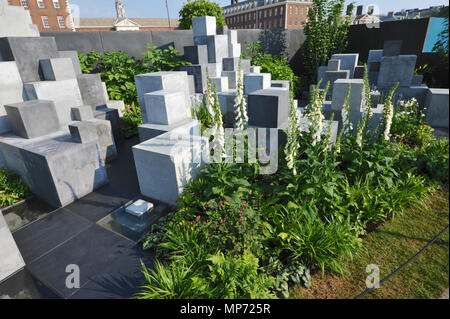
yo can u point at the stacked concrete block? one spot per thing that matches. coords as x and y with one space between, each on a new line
232 77
57 69
198 72
356 95
73 55
349 61
11 91
280 84
92 90
232 64
359 72
27 52
215 69
184 127
217 48
83 132
65 93
221 83
234 48
255 69
256 82
437 108
166 163
11 260
32 119
373 64
165 107
227 100
204 26
268 107
15 21
395 69
197 54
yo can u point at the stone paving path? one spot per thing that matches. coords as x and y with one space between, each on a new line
109 263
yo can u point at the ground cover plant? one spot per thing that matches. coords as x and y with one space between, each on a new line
12 189
239 234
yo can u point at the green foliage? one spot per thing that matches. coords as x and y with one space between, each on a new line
130 120
88 62
163 59
326 34
277 66
199 8
12 188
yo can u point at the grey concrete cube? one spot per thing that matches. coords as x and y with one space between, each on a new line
234 50
437 104
167 163
417 79
255 69
232 64
165 107
226 101
232 36
73 55
332 76
374 56
57 69
280 84
349 61
11 91
334 65
256 82
196 54
232 78
221 83
198 72
205 25
359 72
185 127
220 29
340 90
82 113
215 69
105 138
395 69
217 48
83 132
92 90
16 22
268 107
64 93
11 260
32 119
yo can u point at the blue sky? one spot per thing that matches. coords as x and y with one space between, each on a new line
157 8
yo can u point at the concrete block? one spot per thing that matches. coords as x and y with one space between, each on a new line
57 69
334 65
392 47
418 92
232 36
65 94
198 72
11 91
234 50
203 26
255 69
165 107
185 127
191 83
15 21
82 113
174 80
196 54
349 61
139 208
340 92
332 76
256 82
215 69
417 80
32 119
222 29
321 73
92 90
375 98
226 101
395 69
27 52
57 170
268 107
83 132
232 78
167 163
200 39
112 116
232 64
280 84
11 260
217 48
221 83
374 56
117 105
73 55
359 72
105 138
437 104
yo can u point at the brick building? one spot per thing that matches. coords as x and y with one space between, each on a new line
141 24
48 15
267 14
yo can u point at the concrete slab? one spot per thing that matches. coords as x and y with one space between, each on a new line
268 107
11 91
11 260
57 69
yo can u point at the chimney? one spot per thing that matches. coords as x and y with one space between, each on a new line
359 10
234 2
349 10
370 10
390 13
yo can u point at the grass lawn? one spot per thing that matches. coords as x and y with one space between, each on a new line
389 246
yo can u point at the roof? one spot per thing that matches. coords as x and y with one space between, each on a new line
144 22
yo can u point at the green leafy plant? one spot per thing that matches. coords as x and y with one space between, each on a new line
12 189
199 8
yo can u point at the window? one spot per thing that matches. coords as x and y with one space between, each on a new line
45 22
41 4
24 3
276 12
281 10
56 4
61 22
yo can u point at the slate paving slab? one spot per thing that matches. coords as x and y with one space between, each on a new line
92 251
24 286
42 236
121 280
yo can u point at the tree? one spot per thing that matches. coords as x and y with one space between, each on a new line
199 8
326 34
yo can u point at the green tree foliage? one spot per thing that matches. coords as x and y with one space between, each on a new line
326 34
199 8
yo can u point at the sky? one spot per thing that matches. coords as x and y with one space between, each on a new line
157 8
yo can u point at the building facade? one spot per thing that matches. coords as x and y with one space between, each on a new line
48 15
267 14
111 24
